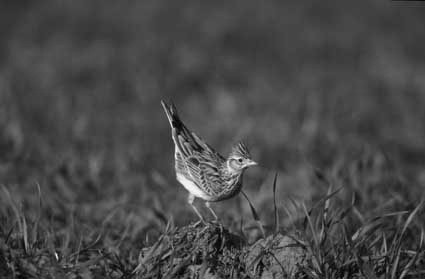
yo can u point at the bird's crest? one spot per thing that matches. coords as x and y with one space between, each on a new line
240 150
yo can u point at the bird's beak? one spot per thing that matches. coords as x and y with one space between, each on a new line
251 163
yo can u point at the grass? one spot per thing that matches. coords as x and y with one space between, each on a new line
322 245
331 104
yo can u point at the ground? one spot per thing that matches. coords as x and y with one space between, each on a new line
330 96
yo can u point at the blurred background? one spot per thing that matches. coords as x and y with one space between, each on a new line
323 93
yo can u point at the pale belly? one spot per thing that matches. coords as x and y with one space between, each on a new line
193 189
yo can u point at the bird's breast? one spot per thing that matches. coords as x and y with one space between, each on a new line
231 188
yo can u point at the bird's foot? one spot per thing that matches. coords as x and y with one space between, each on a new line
198 223
217 224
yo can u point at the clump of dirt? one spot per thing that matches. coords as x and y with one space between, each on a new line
277 256
214 252
193 250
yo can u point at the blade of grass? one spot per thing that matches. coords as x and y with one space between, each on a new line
368 228
255 214
325 198
313 231
327 203
395 265
276 212
384 248
34 234
25 233
406 269
397 241
18 216
290 216
410 218
324 223
398 244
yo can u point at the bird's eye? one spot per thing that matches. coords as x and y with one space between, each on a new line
240 160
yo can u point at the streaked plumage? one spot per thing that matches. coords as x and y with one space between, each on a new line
200 169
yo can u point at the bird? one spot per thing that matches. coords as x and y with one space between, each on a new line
205 173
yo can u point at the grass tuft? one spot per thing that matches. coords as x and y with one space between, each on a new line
321 244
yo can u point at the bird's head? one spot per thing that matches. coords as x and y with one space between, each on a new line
239 159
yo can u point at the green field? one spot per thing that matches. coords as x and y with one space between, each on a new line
327 95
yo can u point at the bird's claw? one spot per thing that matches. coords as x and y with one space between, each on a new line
199 222
216 223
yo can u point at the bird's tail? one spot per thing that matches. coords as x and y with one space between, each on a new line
182 137
171 112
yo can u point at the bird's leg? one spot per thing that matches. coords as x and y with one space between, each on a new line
215 221
190 200
208 205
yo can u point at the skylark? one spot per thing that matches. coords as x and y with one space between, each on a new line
203 171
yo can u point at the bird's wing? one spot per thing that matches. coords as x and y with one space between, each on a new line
207 148
205 173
